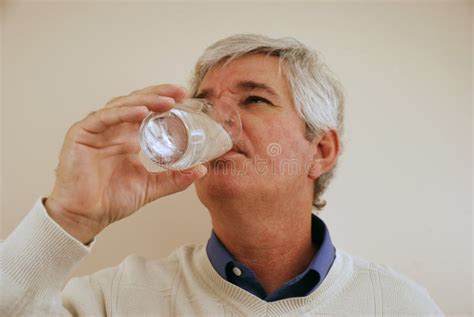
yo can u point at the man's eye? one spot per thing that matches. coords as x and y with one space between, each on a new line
255 99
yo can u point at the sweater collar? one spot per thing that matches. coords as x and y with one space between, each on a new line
339 275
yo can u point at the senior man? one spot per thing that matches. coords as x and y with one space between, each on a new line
268 254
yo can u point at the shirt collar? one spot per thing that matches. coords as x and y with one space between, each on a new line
324 258
219 256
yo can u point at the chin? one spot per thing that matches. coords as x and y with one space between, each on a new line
216 187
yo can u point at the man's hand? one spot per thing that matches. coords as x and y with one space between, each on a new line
99 178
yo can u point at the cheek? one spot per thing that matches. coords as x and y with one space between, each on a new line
278 138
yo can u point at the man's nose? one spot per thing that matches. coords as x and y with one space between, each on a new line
227 100
227 105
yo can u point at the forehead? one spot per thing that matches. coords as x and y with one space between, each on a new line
258 68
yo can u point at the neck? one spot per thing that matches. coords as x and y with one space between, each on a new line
272 240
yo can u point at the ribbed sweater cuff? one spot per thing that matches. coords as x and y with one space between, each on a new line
39 254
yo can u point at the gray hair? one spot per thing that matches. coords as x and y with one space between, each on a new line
317 94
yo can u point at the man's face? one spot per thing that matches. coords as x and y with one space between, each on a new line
273 154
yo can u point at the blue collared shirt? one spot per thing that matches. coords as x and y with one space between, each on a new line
301 285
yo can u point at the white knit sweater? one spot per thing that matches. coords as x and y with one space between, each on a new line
37 257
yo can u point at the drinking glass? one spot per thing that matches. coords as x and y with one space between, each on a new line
191 133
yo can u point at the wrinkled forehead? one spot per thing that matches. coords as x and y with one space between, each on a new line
255 71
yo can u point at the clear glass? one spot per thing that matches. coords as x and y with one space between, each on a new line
191 133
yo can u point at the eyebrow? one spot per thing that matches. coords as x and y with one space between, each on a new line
248 85
245 85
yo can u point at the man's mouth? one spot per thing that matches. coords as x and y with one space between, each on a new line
238 149
231 152
235 150
227 157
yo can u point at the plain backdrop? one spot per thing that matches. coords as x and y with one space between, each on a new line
403 192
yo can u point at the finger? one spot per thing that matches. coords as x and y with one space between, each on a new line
153 102
171 182
113 99
122 148
99 121
176 92
125 134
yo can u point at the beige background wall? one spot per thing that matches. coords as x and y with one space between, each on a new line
403 192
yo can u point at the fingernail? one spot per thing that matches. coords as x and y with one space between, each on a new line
166 99
142 109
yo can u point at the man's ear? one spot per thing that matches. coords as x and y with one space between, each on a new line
326 149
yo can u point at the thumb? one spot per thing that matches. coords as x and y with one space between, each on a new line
170 182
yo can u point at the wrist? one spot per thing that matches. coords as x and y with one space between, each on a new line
78 226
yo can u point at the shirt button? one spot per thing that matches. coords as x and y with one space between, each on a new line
237 271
